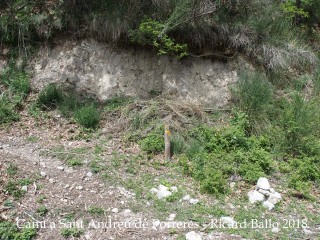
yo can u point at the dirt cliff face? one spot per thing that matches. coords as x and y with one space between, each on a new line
103 70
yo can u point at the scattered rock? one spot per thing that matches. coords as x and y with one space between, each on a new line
263 183
275 230
193 201
126 211
274 198
186 198
268 205
307 231
171 217
79 187
43 174
24 188
193 236
255 196
162 192
155 224
115 210
52 180
229 221
264 191
232 184
60 168
174 189
89 174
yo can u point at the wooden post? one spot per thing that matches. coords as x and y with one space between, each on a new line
167 134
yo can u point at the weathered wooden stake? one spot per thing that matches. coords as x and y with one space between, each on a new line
167 134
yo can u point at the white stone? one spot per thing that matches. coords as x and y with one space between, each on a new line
163 188
155 224
272 190
79 187
232 184
275 230
186 198
24 188
193 201
263 183
255 196
52 180
89 174
60 168
126 211
268 205
43 174
171 217
274 198
193 236
264 192
115 210
174 189
163 193
307 231
229 221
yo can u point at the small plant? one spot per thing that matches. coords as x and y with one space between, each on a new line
150 33
94 210
32 139
42 211
9 230
153 143
69 104
49 97
41 198
87 116
74 162
71 232
12 169
14 190
7 113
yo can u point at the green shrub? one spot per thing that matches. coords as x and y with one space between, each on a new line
153 143
71 232
215 183
50 97
253 95
69 105
87 116
10 231
7 113
17 80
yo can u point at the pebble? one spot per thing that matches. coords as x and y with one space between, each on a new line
193 201
171 217
186 198
263 183
255 196
79 187
60 168
52 180
268 205
115 210
193 236
43 174
275 230
89 174
24 188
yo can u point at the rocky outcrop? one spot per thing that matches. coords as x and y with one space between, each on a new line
104 71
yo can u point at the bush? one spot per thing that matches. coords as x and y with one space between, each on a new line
7 113
17 80
50 97
87 116
69 105
10 231
253 94
153 143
